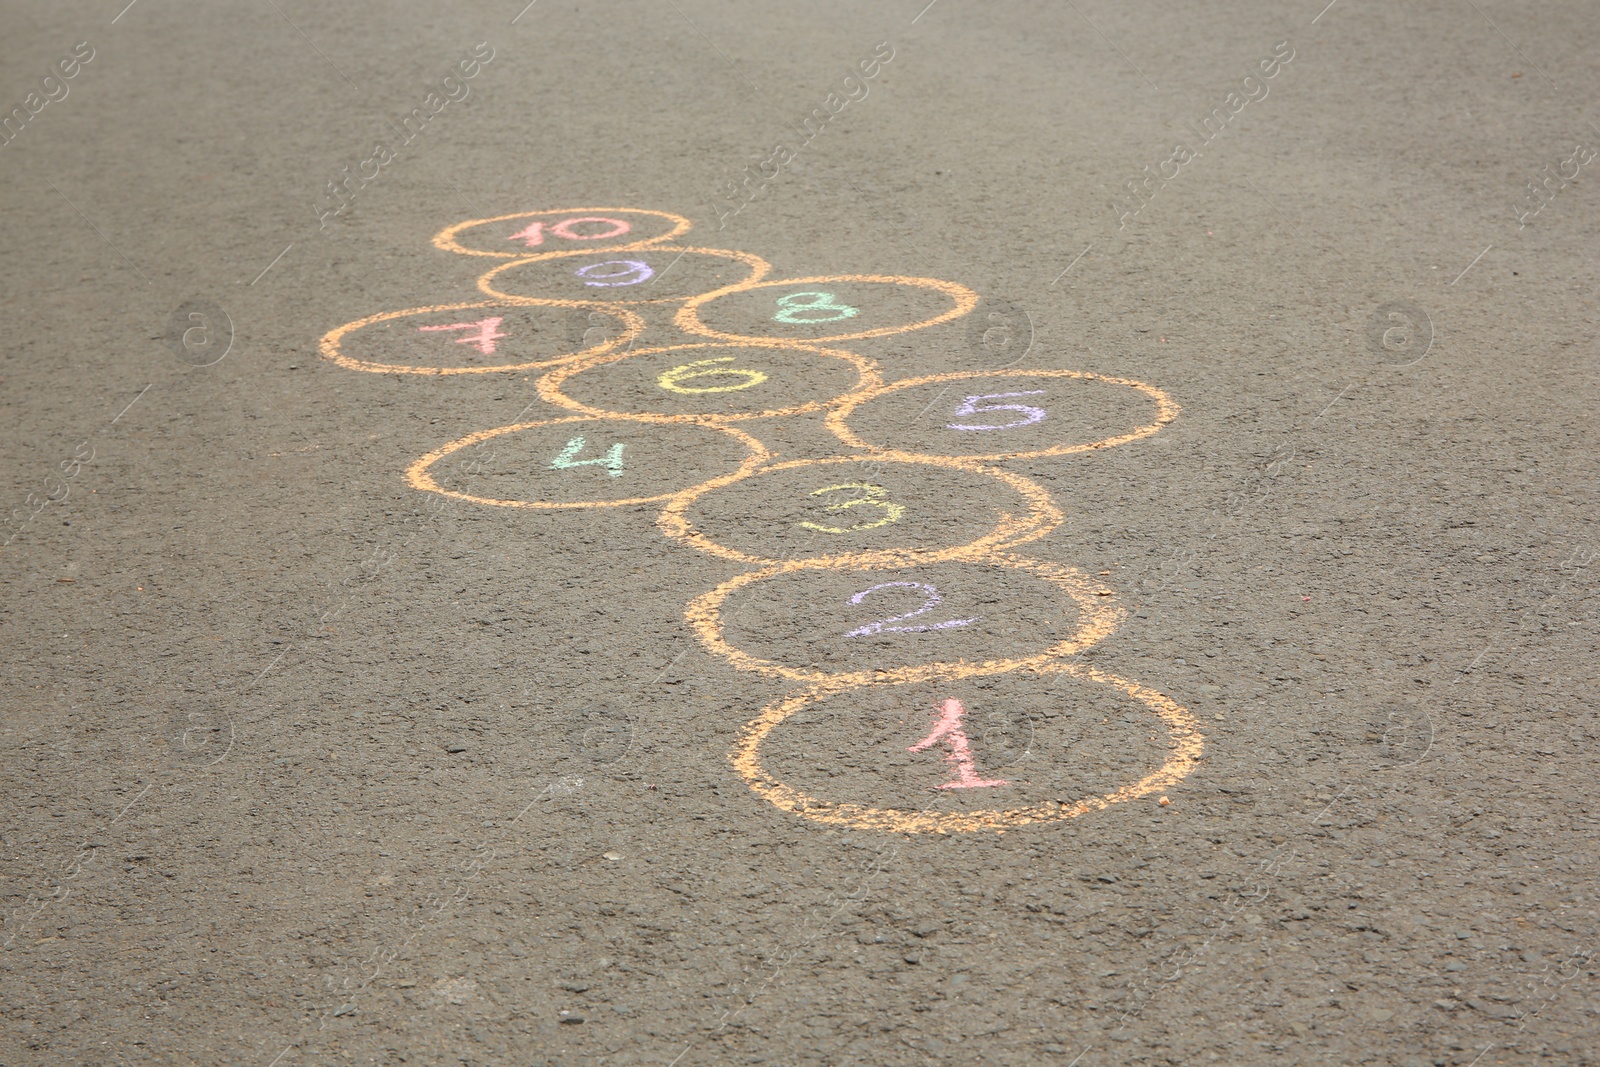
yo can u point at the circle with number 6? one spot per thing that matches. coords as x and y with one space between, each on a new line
727 381
1002 414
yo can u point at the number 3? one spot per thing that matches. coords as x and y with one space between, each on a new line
969 406
891 511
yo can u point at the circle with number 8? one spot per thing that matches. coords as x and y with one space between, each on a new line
726 382
802 312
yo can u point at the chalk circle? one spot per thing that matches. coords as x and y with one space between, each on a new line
730 382
860 510
448 339
965 414
599 736
973 611
659 274
569 463
967 810
590 229
878 303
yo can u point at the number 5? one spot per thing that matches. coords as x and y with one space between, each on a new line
969 406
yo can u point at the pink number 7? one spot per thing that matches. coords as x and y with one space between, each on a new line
948 729
487 333
969 406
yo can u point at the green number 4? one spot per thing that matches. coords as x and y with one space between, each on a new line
611 461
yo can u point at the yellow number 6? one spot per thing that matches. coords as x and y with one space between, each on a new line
670 379
891 511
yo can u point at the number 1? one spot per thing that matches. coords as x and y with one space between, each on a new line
948 729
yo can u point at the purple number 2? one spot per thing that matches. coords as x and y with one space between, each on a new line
931 600
969 406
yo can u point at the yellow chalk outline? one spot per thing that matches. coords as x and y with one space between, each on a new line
1100 615
758 270
417 475
1186 747
1167 410
445 239
1044 515
688 318
329 345
550 385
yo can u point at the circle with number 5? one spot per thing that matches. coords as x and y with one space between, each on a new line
1002 414
726 381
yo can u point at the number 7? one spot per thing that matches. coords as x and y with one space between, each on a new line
969 406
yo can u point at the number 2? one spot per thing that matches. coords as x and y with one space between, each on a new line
931 600
969 406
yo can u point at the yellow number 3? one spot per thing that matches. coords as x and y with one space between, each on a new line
706 368
891 511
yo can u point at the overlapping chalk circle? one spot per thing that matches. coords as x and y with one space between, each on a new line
926 501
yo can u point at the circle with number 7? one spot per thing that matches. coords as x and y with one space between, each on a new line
1064 411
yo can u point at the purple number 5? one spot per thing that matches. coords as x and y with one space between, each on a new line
969 406
930 600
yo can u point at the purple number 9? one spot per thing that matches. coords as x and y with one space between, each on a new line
969 406
632 272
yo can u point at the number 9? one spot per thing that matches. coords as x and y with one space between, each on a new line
633 272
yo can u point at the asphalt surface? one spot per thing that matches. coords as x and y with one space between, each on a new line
700 533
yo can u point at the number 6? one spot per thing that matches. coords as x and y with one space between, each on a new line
969 406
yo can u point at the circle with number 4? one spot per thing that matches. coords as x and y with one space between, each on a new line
587 229
826 308
1002 414
728 381
941 756
582 462
661 274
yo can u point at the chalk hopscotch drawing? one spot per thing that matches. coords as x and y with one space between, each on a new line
613 261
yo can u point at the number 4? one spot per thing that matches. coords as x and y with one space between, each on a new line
969 406
611 461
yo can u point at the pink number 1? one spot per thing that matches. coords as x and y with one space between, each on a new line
948 729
